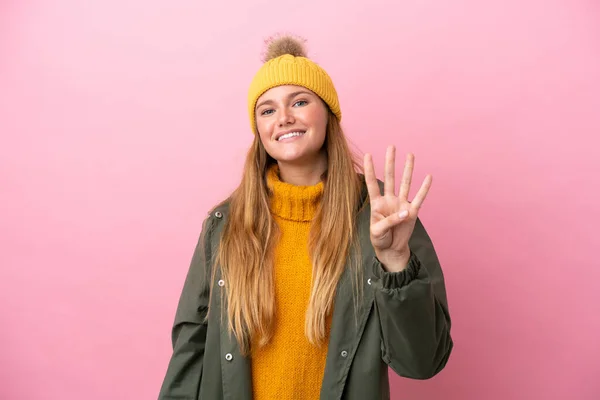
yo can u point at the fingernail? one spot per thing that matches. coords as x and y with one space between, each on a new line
403 214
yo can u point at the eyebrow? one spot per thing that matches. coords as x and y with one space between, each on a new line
291 95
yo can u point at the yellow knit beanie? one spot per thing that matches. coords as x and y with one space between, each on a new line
286 64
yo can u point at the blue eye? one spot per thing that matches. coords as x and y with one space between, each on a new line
266 112
304 102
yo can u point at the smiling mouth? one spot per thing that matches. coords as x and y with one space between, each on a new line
290 135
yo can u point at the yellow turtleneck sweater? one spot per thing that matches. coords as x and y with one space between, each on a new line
289 367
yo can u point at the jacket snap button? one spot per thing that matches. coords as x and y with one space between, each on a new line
228 357
344 353
219 214
221 282
369 281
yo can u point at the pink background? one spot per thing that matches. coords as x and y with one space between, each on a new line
123 122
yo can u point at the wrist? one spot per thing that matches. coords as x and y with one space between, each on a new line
395 263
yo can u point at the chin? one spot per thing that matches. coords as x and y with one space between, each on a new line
290 160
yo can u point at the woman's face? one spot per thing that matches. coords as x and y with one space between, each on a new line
292 122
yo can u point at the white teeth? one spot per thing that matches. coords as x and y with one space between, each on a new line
289 135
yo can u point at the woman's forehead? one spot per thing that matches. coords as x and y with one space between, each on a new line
283 91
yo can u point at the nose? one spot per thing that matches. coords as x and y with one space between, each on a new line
286 117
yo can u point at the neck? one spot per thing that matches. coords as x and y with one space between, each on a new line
303 174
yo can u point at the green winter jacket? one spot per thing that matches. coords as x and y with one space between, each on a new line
402 322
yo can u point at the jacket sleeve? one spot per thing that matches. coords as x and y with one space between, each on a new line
184 372
413 311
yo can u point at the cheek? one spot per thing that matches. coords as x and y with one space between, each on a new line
264 130
264 134
319 120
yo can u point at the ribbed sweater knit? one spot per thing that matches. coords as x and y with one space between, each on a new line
289 367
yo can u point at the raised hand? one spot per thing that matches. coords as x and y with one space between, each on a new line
393 217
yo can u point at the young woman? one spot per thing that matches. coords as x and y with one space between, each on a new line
311 278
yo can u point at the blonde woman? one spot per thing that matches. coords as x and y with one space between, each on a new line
313 277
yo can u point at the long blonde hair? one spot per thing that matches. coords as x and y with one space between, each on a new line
246 251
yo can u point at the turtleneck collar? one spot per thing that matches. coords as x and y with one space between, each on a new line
293 202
